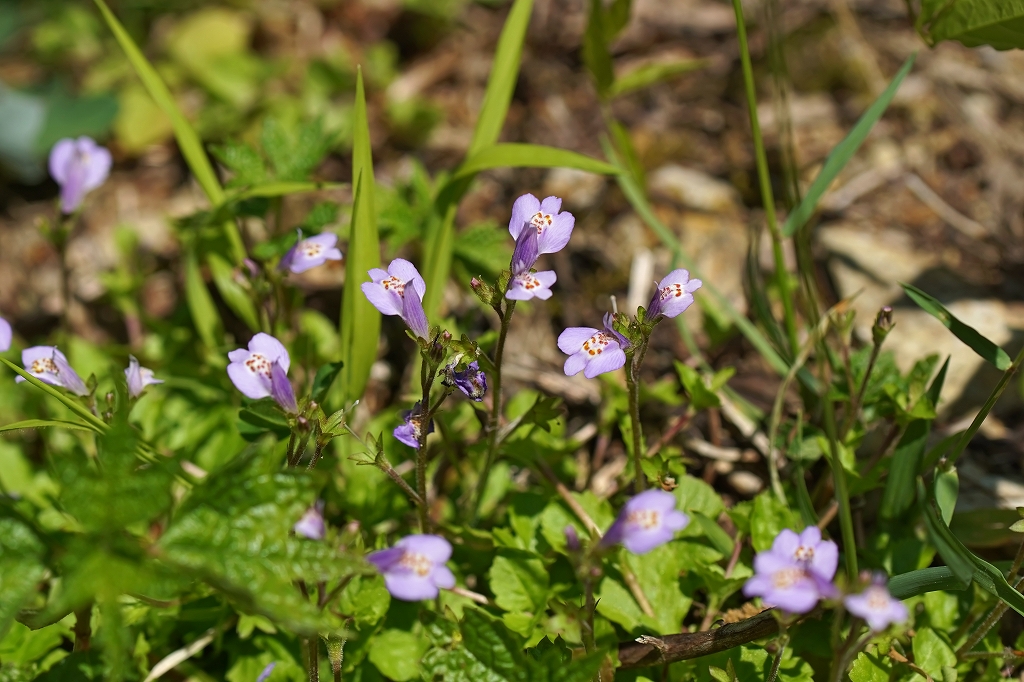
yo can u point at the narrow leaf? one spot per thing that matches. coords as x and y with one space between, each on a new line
969 335
515 155
650 74
934 579
282 189
200 304
952 551
44 423
595 49
360 321
843 152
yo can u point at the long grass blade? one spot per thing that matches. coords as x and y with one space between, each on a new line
360 321
281 189
49 423
843 152
516 155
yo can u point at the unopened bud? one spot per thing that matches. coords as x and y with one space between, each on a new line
883 325
483 291
335 652
572 539
446 336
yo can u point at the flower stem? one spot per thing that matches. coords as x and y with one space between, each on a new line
842 492
313 652
773 674
633 362
83 628
494 420
781 276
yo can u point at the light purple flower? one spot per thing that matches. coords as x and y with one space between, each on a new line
553 228
390 293
410 431
673 295
414 569
529 285
796 572
312 525
592 351
79 166
6 334
876 606
266 672
311 252
820 557
262 371
138 377
471 381
648 520
49 365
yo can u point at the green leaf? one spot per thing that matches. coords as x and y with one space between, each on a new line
242 160
21 567
769 517
701 397
650 74
870 668
932 653
282 189
518 155
188 140
595 49
615 603
236 297
519 581
200 305
658 574
44 423
484 249
68 401
265 416
969 335
952 551
397 654
325 377
360 321
843 152
947 486
999 23
898 495
914 583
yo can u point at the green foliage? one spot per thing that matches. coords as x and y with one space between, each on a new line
999 23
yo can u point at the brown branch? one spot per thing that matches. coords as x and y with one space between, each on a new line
648 651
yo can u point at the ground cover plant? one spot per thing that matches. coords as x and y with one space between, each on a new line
231 495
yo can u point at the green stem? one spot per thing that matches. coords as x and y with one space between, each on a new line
773 674
313 661
764 178
842 492
494 420
633 363
858 399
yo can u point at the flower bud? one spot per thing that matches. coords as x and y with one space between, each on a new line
572 539
883 325
483 291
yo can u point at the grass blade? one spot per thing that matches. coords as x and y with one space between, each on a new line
44 423
649 74
969 335
843 152
281 189
188 140
934 579
360 321
200 304
517 155
69 402
595 49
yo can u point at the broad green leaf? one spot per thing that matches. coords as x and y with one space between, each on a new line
519 581
44 423
201 306
907 585
695 495
518 155
701 397
770 516
397 653
263 416
658 574
360 321
999 23
969 335
650 74
843 152
615 603
188 140
932 653
870 668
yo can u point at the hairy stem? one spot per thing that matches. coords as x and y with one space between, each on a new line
633 363
764 178
494 420
313 661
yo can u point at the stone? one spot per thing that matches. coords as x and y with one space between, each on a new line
692 189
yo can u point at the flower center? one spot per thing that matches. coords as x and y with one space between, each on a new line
394 284
418 563
312 249
878 599
596 344
44 366
787 577
804 553
541 220
529 282
646 519
672 291
258 364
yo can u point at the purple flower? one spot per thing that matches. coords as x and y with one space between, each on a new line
572 539
673 295
410 431
49 365
6 334
553 228
820 557
529 285
389 292
414 568
796 572
471 381
266 672
79 166
876 606
594 351
138 377
310 252
262 371
312 525
648 520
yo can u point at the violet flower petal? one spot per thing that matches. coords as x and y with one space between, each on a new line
311 525
522 210
407 272
6 335
281 389
414 315
525 253
554 238
270 348
529 285
572 339
609 360
69 377
387 302
266 672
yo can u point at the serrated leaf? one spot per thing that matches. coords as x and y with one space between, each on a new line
988 350
519 581
397 653
242 160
